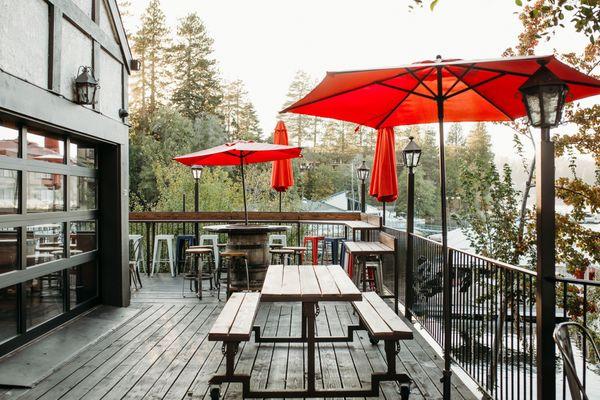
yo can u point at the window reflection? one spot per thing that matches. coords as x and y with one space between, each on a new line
9 191
43 147
45 192
83 236
9 249
83 283
83 193
43 298
83 155
8 312
45 243
9 139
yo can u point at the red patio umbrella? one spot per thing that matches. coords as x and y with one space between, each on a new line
384 182
282 176
437 91
239 153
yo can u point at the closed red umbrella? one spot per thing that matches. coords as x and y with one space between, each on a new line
239 153
282 176
384 182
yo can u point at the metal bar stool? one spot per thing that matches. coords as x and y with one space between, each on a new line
182 242
232 259
334 245
314 242
203 271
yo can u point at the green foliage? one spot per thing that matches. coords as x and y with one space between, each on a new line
197 89
240 119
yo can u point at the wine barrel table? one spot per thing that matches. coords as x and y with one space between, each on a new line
253 240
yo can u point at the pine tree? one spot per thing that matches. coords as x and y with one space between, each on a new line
300 127
149 45
240 119
197 88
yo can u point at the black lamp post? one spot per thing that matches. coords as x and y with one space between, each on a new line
86 86
544 96
411 156
363 174
197 174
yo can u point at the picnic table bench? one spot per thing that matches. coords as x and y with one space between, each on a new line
309 284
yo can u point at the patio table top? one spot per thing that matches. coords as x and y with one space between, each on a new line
358 248
352 224
308 283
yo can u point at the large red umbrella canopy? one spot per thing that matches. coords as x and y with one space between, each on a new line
477 90
282 176
239 153
384 182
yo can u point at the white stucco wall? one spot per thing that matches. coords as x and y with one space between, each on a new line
76 51
106 21
24 30
110 85
85 5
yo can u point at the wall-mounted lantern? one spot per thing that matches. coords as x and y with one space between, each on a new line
86 86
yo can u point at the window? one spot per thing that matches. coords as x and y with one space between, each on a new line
9 139
9 191
83 155
43 147
9 250
83 236
45 243
83 193
8 312
45 192
83 283
44 298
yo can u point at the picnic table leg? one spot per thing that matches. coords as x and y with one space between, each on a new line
364 273
309 313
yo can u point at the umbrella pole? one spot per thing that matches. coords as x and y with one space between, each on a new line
280 193
446 266
244 190
383 213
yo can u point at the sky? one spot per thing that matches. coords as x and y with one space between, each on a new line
264 42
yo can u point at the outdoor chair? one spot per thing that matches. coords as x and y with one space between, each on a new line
156 258
562 337
138 253
134 272
182 243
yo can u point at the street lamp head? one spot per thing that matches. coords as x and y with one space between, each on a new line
411 154
544 97
86 86
363 172
197 171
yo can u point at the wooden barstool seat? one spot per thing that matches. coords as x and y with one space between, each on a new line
281 255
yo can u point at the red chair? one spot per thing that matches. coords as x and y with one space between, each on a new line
314 241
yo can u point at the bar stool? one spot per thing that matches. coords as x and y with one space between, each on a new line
277 241
212 240
314 242
138 254
373 276
182 242
334 243
233 259
204 270
298 253
281 256
168 240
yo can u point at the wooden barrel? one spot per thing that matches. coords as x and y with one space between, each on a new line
254 244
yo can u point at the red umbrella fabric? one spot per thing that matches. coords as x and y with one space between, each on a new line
239 153
384 182
282 176
478 90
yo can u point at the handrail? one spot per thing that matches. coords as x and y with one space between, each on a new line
236 216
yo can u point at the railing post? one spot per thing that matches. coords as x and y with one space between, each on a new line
545 296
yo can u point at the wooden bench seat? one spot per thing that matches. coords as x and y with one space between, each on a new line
380 320
236 320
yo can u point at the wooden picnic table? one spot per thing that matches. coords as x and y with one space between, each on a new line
354 225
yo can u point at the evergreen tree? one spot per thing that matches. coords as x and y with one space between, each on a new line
150 44
240 119
300 127
197 90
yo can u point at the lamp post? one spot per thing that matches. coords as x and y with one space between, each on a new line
363 174
411 156
544 96
197 174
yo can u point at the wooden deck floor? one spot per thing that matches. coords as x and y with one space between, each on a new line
163 353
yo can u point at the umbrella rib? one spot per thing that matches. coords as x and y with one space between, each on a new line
405 90
484 97
420 81
458 80
472 87
291 107
403 99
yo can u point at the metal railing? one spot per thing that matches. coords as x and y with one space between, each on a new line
492 323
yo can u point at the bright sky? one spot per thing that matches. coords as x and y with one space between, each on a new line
264 42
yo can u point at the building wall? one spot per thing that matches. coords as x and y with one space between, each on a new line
24 51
